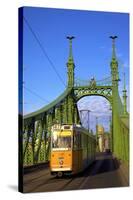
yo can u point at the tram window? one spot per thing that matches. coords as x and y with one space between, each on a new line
88 142
85 141
91 146
86 137
79 140
75 141
61 141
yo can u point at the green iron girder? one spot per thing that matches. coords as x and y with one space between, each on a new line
104 91
104 82
64 110
40 113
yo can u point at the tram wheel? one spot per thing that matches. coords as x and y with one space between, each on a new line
60 174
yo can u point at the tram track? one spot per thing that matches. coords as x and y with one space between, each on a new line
102 173
64 183
35 178
80 180
31 186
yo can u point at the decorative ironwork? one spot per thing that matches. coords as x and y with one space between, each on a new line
105 91
92 82
37 125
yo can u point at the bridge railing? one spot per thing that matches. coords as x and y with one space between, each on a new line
92 82
121 134
124 139
43 155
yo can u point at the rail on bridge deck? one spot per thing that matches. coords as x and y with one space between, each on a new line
121 133
123 145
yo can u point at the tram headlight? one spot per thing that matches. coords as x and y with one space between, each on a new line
61 162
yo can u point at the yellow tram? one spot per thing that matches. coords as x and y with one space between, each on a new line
72 149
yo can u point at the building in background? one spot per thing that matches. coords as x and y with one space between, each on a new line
100 137
103 139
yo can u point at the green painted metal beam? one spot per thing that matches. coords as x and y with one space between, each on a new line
37 125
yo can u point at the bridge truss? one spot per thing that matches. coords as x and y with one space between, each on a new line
36 127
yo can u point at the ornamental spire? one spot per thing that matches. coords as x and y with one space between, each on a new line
114 64
70 64
70 47
124 81
113 46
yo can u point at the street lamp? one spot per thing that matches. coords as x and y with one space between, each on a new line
88 111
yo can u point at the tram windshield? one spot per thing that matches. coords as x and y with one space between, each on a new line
61 140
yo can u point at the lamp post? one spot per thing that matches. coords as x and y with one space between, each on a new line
97 132
88 111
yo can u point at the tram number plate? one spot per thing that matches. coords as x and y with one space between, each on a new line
60 158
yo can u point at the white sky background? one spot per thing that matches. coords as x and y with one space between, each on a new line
99 107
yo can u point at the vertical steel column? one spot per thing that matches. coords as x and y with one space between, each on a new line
49 123
64 111
70 110
26 143
37 140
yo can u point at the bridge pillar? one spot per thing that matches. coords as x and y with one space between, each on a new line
120 129
115 103
64 112
58 114
70 110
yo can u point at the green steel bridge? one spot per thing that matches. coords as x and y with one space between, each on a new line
36 126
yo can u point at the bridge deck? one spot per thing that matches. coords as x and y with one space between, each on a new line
105 172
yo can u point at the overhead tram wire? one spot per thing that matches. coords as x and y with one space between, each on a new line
34 93
44 51
86 119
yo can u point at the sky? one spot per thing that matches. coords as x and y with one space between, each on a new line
91 52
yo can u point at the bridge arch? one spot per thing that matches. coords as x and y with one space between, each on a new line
109 99
86 103
95 114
